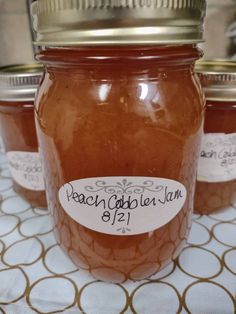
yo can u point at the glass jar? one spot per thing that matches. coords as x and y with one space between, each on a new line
216 186
18 85
119 121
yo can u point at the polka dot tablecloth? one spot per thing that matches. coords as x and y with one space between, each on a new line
36 276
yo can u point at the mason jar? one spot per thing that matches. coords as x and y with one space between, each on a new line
216 181
18 85
119 118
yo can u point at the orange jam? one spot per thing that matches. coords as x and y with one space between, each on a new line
18 131
216 186
117 116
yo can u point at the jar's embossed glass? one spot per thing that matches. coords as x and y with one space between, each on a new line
216 186
119 119
18 85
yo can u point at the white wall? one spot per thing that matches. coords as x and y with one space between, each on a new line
15 39
220 14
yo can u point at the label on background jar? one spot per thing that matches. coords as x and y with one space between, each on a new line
123 205
26 170
218 158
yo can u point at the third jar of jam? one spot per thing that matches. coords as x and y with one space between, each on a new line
119 118
18 85
216 186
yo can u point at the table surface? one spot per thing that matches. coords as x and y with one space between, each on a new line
37 277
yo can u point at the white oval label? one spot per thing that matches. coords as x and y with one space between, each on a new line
217 161
26 169
123 205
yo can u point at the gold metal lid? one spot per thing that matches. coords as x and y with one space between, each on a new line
118 22
19 82
218 78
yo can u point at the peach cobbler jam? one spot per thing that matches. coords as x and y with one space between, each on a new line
216 186
18 85
119 118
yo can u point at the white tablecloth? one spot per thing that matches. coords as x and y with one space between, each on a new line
36 276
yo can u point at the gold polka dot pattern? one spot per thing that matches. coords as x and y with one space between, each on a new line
37 277
213 196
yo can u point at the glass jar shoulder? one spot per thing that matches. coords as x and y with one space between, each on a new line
17 126
220 117
168 99
16 107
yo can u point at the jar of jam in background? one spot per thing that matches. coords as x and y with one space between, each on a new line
18 85
119 118
216 186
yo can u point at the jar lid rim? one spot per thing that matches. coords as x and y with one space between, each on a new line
218 78
117 22
216 67
19 82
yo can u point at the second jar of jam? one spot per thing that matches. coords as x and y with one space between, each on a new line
18 85
119 119
216 186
